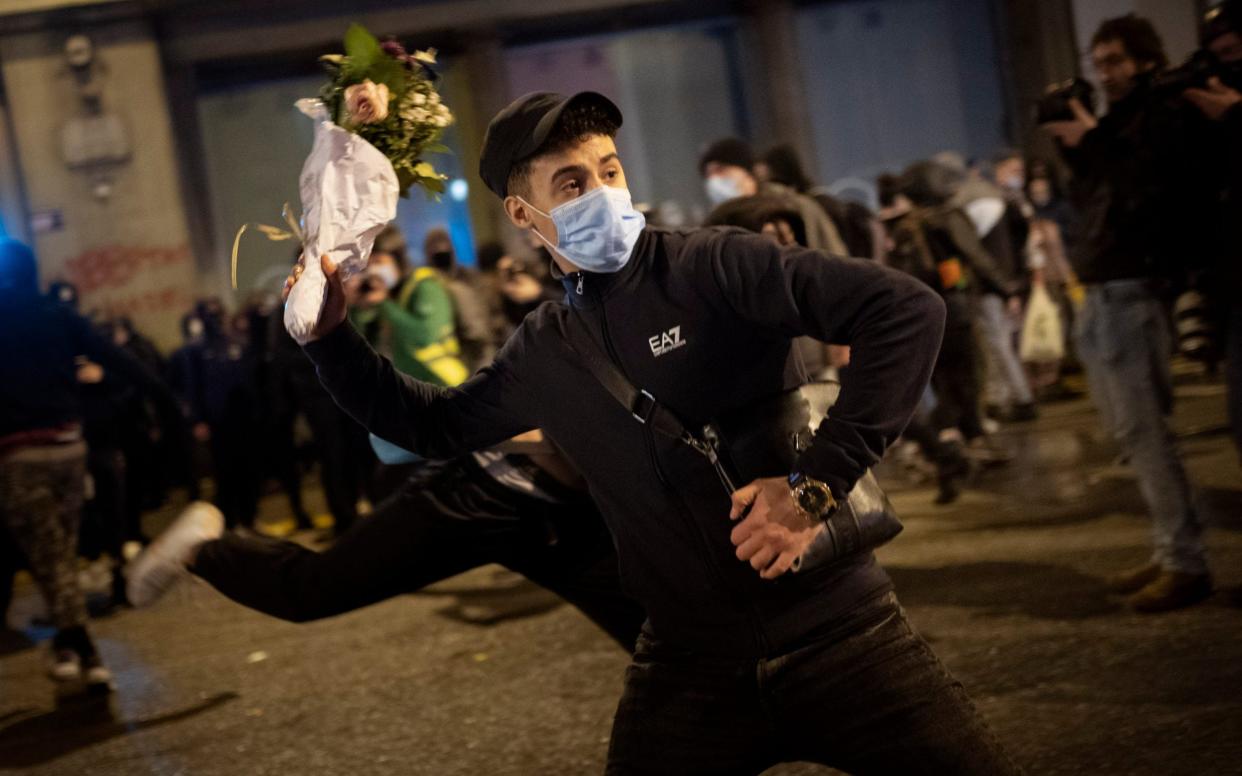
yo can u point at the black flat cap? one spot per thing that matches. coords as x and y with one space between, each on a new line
518 131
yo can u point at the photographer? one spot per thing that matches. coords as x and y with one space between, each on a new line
1221 101
1145 196
419 312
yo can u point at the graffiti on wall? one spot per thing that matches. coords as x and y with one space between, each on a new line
117 266
132 280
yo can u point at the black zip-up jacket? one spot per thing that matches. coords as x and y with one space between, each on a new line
39 342
703 320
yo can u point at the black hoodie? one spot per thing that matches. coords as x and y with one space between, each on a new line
703 320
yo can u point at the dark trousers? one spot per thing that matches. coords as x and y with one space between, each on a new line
345 458
236 463
868 698
281 462
448 518
1233 373
103 527
11 560
956 377
942 454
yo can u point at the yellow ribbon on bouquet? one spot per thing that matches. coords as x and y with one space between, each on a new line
273 233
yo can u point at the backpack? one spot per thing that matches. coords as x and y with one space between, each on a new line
924 250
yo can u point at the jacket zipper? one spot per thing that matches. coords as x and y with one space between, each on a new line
704 544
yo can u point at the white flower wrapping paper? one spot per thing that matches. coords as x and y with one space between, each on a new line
349 194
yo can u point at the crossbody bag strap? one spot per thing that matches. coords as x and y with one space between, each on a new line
640 403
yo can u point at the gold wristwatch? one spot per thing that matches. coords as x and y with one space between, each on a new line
813 499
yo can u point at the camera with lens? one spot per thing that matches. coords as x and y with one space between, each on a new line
1191 74
370 284
512 269
1055 106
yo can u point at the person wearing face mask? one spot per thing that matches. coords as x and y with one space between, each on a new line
471 314
386 268
44 348
727 168
741 663
1050 268
1049 204
996 208
215 379
419 314
342 451
857 225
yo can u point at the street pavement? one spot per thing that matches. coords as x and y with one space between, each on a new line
487 674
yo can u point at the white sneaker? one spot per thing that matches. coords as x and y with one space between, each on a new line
98 677
164 562
66 666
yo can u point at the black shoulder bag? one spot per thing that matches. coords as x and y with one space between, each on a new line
764 440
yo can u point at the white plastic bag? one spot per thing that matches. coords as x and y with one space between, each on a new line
1043 339
349 194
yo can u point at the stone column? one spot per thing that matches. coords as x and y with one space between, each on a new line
476 94
13 215
1038 47
771 25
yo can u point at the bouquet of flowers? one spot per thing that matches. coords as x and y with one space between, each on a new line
377 117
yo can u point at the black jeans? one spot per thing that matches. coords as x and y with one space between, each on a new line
236 465
867 698
448 518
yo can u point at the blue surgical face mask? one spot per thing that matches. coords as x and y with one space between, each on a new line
722 188
596 231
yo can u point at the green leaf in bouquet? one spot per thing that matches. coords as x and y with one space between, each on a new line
405 179
437 148
425 171
389 72
362 48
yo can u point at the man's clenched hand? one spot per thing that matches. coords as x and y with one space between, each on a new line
773 533
335 306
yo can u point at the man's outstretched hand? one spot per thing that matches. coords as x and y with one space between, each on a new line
1071 133
773 533
1216 100
335 306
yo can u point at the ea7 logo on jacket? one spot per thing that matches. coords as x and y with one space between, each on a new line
666 342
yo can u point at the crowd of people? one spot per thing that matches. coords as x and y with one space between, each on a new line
1044 268
219 416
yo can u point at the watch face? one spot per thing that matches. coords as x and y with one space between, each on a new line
813 499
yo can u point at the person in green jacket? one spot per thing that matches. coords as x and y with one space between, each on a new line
418 311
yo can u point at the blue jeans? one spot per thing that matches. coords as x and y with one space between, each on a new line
1006 380
1124 342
